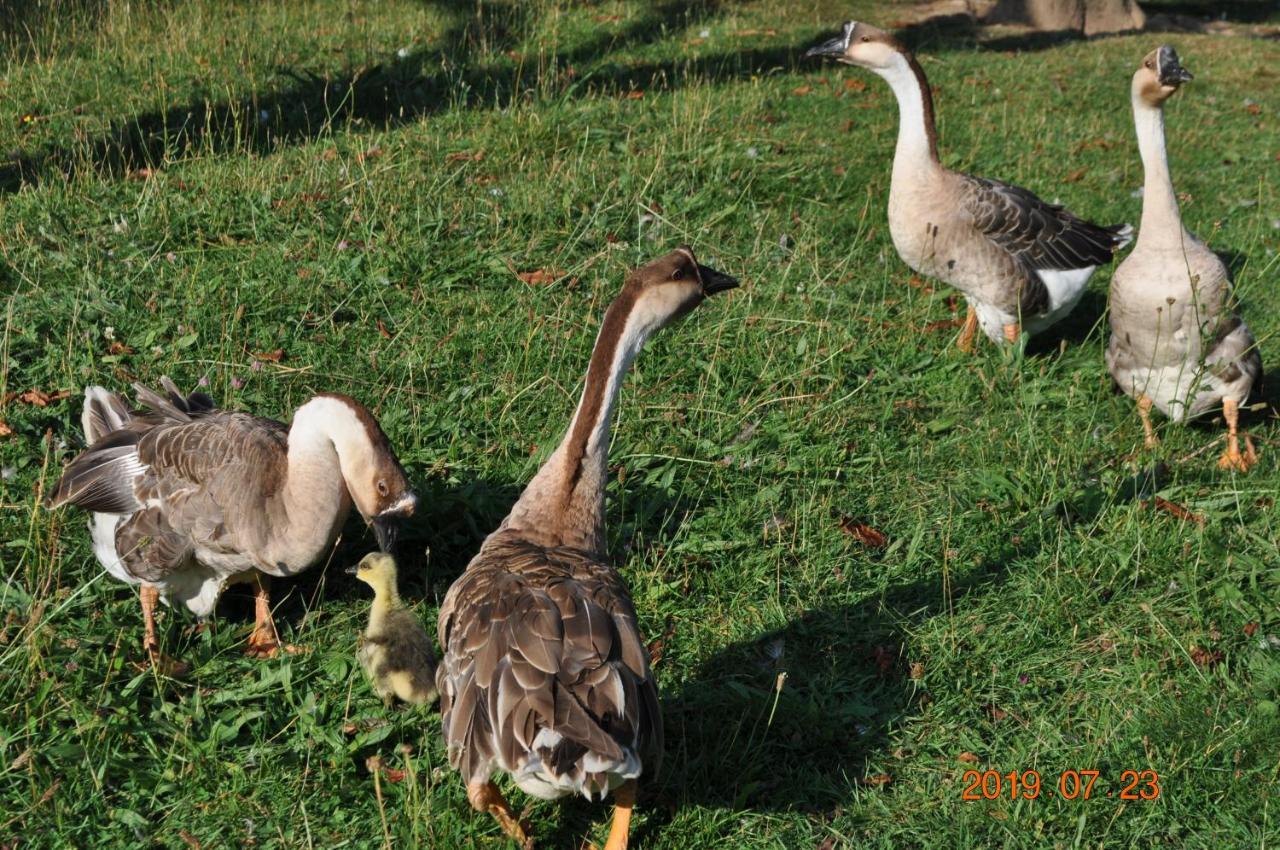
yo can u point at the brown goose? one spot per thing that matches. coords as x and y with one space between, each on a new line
186 497
544 675
1021 263
1177 343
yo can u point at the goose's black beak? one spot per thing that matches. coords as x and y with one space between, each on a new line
352 570
836 46
714 281
1169 70
386 525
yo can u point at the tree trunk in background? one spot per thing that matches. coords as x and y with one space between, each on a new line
1089 17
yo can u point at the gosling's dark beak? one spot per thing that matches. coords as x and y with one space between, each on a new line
836 46
386 525
1170 70
714 281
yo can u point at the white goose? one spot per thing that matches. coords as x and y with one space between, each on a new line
186 498
1021 263
1177 343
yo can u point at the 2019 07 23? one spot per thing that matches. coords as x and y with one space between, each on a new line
1068 784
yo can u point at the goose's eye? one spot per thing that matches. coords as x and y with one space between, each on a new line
383 489
866 38
678 274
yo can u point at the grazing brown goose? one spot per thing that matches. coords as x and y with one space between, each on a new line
186 498
394 651
1021 263
1177 342
544 675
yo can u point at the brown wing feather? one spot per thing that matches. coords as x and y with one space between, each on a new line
537 638
1038 235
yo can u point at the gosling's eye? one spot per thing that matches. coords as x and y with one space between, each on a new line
383 489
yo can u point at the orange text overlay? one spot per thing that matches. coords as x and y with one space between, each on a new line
1068 784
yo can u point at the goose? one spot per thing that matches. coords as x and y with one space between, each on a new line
394 652
1177 343
186 497
544 675
1021 263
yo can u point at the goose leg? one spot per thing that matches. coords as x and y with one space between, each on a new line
149 595
967 330
1150 440
1012 332
485 797
625 800
264 642
1233 458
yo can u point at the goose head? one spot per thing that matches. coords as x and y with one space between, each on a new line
671 286
1159 76
862 45
377 569
374 477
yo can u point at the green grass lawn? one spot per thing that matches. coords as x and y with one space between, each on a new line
189 186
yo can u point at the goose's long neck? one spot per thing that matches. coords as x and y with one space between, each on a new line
314 501
917 150
1161 220
565 500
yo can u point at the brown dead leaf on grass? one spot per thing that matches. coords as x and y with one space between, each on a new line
750 33
801 91
657 647
634 94
880 779
5 430
854 84
382 329
542 277
1076 176
995 712
38 398
968 758
118 347
943 324
465 156
1206 658
863 533
371 153
190 840
272 356
828 843
1250 629
1177 511
607 19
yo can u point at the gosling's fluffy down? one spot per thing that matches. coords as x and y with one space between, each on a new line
394 650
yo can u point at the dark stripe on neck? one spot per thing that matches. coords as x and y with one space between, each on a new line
592 405
926 97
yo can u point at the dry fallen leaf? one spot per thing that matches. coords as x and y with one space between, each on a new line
801 91
828 843
118 347
854 84
189 839
635 94
5 430
1076 176
968 758
943 324
917 670
273 356
38 398
657 646
997 713
1206 657
371 153
607 19
1254 109
541 277
382 329
863 533
1177 511
1250 629
877 779
465 156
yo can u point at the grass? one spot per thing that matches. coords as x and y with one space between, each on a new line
188 186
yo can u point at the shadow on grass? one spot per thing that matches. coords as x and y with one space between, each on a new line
475 68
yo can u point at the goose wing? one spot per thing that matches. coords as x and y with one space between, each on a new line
1039 236
544 674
